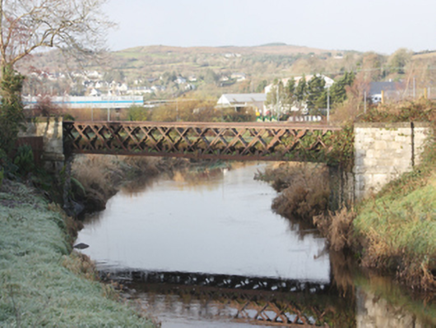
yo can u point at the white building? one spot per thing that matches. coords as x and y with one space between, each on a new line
241 100
239 77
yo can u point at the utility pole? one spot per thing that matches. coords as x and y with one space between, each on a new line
364 101
277 102
328 104
177 108
414 84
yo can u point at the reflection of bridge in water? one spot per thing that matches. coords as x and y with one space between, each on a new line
233 141
259 301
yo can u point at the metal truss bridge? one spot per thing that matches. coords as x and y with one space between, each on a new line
201 140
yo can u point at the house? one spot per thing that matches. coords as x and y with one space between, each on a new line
391 90
239 77
241 100
94 92
232 55
101 84
93 75
180 80
139 91
158 88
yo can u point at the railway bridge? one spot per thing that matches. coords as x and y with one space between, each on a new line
378 152
202 140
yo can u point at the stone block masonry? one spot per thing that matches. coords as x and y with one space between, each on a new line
384 151
50 129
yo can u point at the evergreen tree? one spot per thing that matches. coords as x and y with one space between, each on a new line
315 91
261 86
11 111
290 92
301 89
338 91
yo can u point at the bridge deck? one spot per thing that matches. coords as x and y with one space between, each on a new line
239 141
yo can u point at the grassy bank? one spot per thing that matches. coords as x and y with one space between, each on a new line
396 230
393 231
41 282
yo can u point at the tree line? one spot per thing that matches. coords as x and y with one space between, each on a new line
311 95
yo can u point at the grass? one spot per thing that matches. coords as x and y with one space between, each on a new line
395 230
398 230
41 282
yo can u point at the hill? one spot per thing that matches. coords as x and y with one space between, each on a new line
209 70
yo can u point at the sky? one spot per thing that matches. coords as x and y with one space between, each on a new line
382 26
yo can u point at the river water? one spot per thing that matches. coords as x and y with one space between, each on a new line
204 249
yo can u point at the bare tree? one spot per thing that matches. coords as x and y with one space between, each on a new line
74 26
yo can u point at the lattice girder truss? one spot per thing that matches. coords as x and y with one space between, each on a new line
242 141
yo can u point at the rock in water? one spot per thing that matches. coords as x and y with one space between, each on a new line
81 246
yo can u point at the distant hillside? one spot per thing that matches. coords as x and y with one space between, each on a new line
208 70
271 48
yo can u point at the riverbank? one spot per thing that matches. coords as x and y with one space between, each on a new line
393 231
96 178
43 283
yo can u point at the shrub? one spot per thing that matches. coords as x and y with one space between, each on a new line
337 228
139 113
24 159
304 190
11 110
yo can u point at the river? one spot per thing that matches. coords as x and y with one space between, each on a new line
204 249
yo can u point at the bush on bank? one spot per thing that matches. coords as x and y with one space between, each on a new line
41 282
304 189
96 178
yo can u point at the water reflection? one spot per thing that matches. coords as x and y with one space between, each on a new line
203 249
383 303
235 300
222 226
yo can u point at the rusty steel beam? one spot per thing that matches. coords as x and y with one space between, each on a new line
207 140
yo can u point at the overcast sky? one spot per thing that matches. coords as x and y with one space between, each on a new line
371 25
